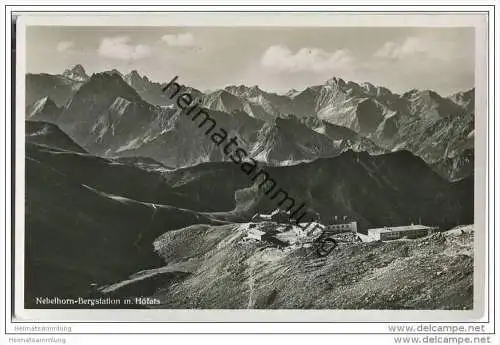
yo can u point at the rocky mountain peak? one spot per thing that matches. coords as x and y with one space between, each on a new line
76 73
244 91
236 89
463 95
254 90
78 69
410 93
336 81
292 93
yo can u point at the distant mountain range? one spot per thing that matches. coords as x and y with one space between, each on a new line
113 114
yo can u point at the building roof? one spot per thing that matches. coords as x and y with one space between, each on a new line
256 232
401 228
279 211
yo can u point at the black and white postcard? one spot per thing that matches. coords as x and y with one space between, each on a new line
251 166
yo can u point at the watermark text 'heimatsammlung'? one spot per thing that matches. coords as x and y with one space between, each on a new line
232 149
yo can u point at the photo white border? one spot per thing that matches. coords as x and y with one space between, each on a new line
268 315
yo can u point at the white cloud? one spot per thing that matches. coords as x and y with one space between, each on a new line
120 48
180 40
64 46
411 47
281 59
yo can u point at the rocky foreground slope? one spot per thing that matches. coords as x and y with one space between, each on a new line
219 267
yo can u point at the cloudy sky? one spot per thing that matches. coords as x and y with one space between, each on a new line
276 59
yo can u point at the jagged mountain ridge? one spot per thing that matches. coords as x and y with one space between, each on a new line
382 120
389 120
94 221
391 275
104 113
348 139
77 73
58 88
456 167
183 143
107 116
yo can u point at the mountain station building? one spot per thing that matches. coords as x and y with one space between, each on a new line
397 232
